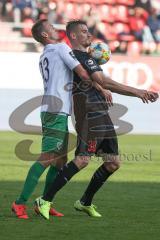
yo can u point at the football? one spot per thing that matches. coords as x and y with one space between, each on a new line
100 52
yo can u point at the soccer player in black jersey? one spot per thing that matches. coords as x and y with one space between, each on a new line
96 134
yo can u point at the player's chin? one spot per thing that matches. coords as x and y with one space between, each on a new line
55 37
88 43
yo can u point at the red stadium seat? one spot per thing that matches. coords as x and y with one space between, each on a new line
27 29
111 2
75 1
85 8
113 45
107 31
82 10
121 13
134 48
70 11
88 1
106 13
126 2
121 27
127 38
91 2
123 32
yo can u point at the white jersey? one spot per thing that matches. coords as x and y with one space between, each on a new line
56 65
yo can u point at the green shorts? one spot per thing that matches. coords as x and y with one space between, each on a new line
55 133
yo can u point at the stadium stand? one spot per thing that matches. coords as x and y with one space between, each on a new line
124 24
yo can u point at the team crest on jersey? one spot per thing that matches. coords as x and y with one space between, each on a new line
90 62
59 145
72 55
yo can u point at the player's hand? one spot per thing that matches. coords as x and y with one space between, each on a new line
108 96
143 94
153 96
147 96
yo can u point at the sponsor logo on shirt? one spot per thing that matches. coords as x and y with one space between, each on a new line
72 55
93 67
91 63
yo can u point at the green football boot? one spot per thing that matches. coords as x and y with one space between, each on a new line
43 207
90 210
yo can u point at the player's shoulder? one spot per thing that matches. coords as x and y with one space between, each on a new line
63 46
66 50
56 46
85 58
90 63
49 48
81 55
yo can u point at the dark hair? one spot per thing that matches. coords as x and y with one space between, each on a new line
71 26
37 29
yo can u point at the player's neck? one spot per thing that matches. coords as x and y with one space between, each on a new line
50 42
79 47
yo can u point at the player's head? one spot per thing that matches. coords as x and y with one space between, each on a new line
44 32
78 33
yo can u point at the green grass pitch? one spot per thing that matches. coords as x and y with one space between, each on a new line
129 201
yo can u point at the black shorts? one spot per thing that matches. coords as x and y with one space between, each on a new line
96 135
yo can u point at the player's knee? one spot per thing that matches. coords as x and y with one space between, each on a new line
60 162
45 163
113 164
82 161
112 167
46 159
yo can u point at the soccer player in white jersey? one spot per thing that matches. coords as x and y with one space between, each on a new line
56 65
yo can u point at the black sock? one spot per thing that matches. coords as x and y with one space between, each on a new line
99 177
64 175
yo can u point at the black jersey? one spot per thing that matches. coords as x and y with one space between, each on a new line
95 130
85 94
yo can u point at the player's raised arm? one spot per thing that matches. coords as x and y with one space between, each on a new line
71 61
108 83
82 73
67 55
104 92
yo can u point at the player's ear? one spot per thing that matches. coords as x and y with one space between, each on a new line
44 35
73 36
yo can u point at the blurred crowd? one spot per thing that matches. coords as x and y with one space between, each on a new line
126 25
